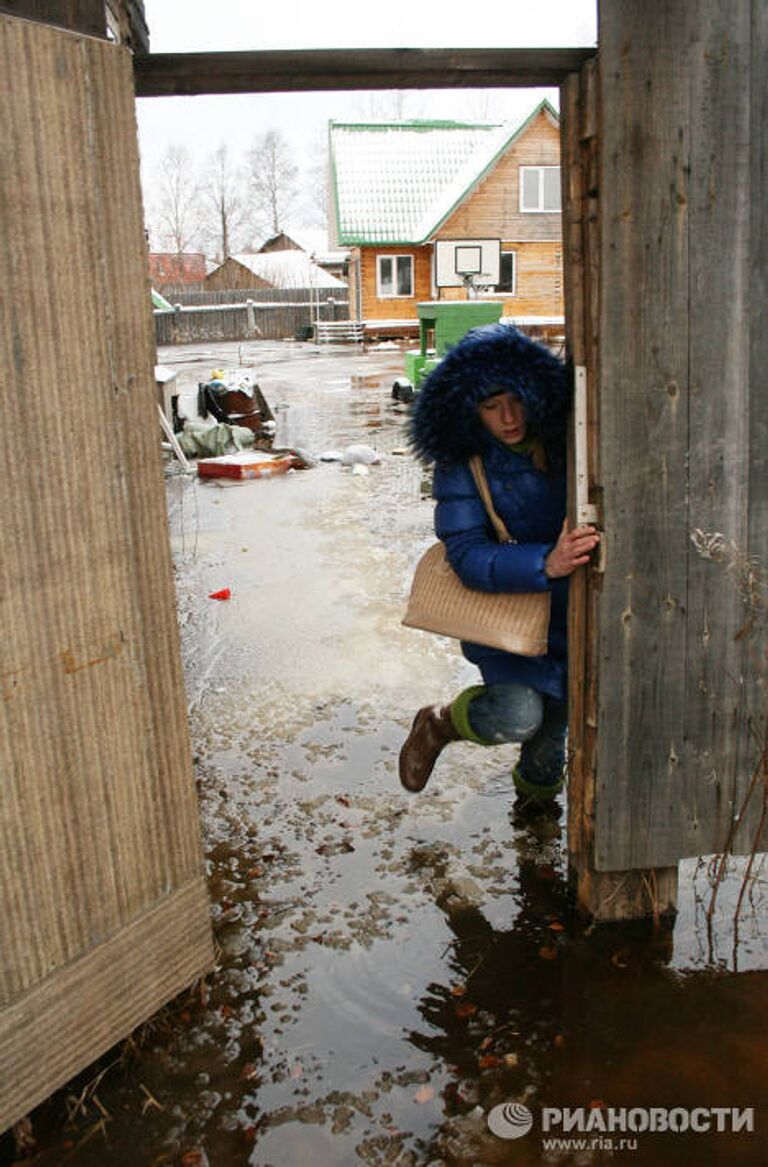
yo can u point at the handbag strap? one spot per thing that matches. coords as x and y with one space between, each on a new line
481 482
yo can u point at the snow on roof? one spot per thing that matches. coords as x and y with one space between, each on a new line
288 269
314 240
395 182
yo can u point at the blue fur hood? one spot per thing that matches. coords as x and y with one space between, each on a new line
495 358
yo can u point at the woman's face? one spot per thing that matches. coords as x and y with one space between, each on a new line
504 417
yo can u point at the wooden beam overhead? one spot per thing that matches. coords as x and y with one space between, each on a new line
283 71
87 16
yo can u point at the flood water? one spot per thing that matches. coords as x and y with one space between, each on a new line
390 967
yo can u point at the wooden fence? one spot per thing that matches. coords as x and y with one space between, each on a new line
240 314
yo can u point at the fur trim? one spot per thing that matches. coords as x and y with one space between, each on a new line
495 358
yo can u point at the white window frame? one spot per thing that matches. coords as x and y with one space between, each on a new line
538 210
382 295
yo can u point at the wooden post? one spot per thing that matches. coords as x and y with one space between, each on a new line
665 241
604 895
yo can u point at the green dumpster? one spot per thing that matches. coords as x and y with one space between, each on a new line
442 323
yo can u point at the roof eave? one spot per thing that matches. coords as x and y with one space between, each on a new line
349 241
544 106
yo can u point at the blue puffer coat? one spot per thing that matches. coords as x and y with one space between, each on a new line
446 429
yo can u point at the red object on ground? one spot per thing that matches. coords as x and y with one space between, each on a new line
222 594
245 465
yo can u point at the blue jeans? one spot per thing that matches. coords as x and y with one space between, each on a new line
516 713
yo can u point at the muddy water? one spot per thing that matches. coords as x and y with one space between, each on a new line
390 967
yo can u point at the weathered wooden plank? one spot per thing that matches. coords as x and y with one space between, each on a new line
613 896
592 243
645 101
719 751
98 816
579 830
572 225
758 289
281 71
605 896
48 1034
681 422
758 362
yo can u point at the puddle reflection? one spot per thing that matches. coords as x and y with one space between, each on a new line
390 968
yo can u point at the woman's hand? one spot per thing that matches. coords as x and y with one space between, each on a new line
572 550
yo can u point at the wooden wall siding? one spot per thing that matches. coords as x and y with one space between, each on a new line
682 423
492 210
397 307
539 282
100 860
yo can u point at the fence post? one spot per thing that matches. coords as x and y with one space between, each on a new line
250 317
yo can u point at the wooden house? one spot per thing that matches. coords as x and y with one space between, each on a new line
412 198
282 268
169 270
315 244
280 242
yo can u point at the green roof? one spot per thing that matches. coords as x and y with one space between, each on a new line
396 182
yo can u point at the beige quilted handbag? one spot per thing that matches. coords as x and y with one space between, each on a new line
439 602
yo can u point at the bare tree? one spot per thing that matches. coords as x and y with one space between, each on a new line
483 105
224 201
273 179
176 216
317 199
395 105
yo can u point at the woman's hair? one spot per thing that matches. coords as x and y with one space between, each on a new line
496 358
539 455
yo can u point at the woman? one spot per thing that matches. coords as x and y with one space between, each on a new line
501 395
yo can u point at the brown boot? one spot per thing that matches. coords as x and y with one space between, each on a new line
431 731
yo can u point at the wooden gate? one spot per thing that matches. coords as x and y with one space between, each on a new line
665 242
102 895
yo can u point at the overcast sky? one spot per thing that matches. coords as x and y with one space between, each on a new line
202 123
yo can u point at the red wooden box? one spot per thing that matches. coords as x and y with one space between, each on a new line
246 464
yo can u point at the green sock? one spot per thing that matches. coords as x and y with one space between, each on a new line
460 715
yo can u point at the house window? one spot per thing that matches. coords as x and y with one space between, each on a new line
539 188
507 273
394 275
